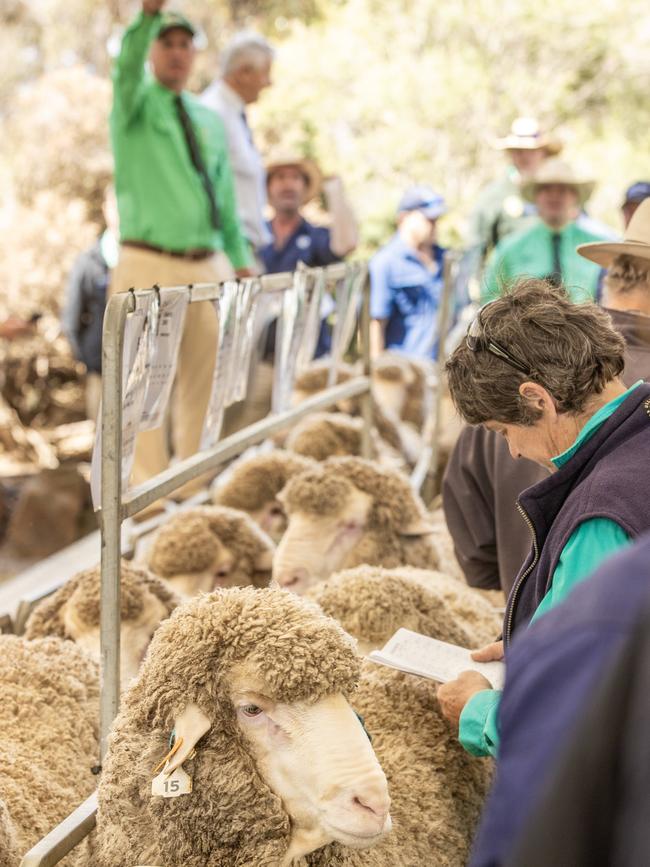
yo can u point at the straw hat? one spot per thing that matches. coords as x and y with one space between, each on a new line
636 241
525 134
309 169
556 171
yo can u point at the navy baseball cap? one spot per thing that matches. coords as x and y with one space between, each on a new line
637 192
425 199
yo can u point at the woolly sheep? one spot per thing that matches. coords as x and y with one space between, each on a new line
400 385
322 435
258 784
48 718
257 682
403 438
73 613
372 603
253 483
348 511
211 546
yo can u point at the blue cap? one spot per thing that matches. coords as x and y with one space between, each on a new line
637 192
425 199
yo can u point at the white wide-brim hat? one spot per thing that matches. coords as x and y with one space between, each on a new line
556 171
636 241
526 135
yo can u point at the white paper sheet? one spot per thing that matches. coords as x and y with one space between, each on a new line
418 654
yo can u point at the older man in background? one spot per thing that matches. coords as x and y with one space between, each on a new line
176 202
245 72
547 249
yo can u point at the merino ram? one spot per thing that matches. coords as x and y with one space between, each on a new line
252 485
211 546
49 722
258 687
345 512
72 613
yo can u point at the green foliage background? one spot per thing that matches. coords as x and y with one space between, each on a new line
383 92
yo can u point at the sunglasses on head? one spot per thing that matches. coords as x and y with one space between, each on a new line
477 341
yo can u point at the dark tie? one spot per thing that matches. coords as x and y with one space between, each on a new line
197 158
555 277
244 120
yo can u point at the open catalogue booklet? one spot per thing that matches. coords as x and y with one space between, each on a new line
418 654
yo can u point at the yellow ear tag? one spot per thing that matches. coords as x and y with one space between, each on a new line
172 785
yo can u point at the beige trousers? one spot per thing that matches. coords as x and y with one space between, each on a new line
140 269
93 394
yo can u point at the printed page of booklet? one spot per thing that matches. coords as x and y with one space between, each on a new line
418 654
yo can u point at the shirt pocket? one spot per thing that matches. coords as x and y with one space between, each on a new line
414 290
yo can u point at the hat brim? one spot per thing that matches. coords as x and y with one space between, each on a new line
513 143
433 212
603 254
307 167
584 189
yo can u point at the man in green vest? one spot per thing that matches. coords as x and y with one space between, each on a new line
176 201
547 248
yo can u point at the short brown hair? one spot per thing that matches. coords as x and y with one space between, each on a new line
571 349
626 274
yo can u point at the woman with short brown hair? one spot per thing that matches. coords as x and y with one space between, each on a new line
545 373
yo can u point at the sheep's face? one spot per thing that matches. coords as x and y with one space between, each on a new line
318 760
315 545
220 572
135 632
271 518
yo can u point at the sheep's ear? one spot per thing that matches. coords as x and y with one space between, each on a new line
191 724
264 561
417 527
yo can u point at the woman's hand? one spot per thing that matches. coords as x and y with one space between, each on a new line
490 653
453 696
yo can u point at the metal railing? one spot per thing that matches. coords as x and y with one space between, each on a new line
117 504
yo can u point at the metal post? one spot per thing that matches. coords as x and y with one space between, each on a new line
450 262
366 398
111 495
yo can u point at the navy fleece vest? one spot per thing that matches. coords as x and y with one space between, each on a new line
608 477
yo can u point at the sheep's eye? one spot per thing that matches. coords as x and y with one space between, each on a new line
251 710
276 511
351 525
221 573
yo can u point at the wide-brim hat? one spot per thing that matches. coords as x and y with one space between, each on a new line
636 241
526 135
309 169
556 171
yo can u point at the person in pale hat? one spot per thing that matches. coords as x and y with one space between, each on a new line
292 181
406 278
547 248
500 208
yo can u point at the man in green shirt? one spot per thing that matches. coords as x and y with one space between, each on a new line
547 248
176 201
500 208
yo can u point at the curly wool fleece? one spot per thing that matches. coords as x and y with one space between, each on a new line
232 817
84 589
257 481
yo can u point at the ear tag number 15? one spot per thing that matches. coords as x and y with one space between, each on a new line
172 785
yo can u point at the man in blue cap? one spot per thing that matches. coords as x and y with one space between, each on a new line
634 195
406 279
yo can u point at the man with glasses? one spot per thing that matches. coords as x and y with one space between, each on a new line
545 374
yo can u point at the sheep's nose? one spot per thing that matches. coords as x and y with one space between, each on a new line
372 802
292 578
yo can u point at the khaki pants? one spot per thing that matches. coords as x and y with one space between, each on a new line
93 394
140 269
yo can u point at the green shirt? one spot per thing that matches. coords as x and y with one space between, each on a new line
529 253
499 211
161 198
591 543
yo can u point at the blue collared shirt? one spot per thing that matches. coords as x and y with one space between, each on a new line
406 293
309 244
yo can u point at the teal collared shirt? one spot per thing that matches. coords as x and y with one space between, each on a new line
588 546
529 253
161 198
